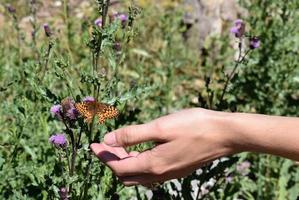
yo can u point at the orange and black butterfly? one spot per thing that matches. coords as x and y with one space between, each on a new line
90 109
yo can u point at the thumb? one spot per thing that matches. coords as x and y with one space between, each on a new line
134 134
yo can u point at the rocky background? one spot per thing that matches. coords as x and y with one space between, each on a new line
203 17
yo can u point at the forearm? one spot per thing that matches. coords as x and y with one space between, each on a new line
266 134
190 138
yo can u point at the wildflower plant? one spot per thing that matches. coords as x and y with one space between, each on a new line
80 114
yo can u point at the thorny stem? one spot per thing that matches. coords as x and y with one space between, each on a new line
87 180
95 61
68 159
33 34
95 56
74 151
231 75
19 38
79 137
68 25
210 94
60 161
68 83
137 193
47 58
16 26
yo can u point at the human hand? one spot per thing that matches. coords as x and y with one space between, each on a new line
186 140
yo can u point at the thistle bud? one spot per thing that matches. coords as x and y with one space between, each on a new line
10 9
47 30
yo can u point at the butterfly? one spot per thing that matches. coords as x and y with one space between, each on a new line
90 109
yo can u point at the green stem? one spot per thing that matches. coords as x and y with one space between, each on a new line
47 58
74 152
68 159
96 56
231 75
79 137
68 26
95 63
67 76
34 31
60 161
19 38
84 192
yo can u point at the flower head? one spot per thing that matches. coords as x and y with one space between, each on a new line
229 179
68 108
239 28
254 42
123 17
11 9
72 113
47 30
88 99
63 193
56 111
58 140
243 168
98 22
67 103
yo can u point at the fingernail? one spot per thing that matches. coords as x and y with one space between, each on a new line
110 139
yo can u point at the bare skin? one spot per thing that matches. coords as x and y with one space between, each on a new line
190 138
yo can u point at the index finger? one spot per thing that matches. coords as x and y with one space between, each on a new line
127 166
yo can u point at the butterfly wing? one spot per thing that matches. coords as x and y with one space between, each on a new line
105 111
87 110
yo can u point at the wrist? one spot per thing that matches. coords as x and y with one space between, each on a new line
246 132
239 138
223 131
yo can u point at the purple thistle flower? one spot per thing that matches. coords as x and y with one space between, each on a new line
56 111
98 22
123 18
229 179
47 30
10 9
68 108
88 99
63 193
254 43
239 28
72 113
58 140
243 168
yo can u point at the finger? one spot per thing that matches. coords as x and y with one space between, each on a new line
127 166
134 134
120 151
134 153
145 179
102 151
